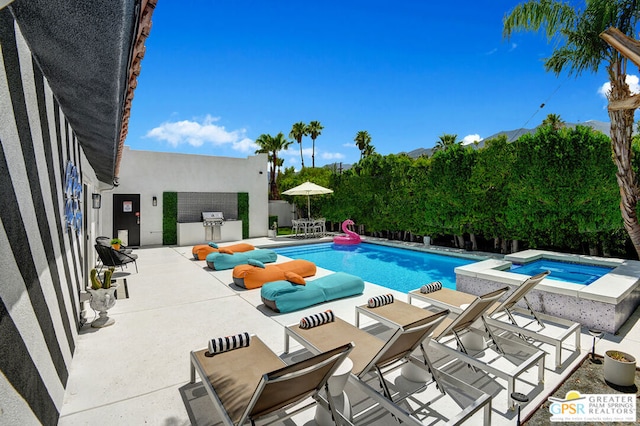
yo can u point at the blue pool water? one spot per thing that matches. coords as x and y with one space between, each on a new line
395 268
563 271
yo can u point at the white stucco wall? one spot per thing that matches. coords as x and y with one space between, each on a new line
151 173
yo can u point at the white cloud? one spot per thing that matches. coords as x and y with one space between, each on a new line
632 80
244 145
492 51
350 145
332 156
196 133
514 46
471 139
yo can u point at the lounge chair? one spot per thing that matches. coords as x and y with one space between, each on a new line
452 331
252 382
112 257
252 276
201 251
372 355
222 261
287 296
501 315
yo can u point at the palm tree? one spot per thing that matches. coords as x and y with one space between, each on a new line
271 145
445 141
362 140
368 150
314 130
554 121
580 49
298 131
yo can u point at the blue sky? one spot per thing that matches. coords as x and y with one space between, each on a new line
218 74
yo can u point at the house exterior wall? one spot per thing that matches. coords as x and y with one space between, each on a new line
43 261
151 173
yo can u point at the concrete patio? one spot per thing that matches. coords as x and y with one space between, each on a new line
137 371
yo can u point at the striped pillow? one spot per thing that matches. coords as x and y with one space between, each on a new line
431 287
228 343
317 319
383 299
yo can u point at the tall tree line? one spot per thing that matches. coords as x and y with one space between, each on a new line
555 188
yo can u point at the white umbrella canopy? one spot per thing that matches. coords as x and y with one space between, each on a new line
308 189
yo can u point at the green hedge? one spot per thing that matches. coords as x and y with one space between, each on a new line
169 218
243 212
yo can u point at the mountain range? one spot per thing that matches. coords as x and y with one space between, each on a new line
513 135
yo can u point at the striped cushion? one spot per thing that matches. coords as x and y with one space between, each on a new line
431 287
317 319
383 299
228 343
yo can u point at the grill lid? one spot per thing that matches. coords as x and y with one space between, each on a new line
212 216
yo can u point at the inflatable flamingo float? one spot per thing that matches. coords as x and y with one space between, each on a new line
350 237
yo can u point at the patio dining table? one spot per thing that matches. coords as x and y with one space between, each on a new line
309 228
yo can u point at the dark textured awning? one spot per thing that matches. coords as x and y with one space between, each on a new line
90 53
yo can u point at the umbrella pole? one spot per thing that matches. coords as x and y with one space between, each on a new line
308 207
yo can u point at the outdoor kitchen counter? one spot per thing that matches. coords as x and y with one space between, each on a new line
193 232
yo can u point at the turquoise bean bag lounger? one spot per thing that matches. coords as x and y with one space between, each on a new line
221 261
284 296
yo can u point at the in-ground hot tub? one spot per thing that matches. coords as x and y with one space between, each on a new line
604 304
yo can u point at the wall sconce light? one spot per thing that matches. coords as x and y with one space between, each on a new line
96 200
154 201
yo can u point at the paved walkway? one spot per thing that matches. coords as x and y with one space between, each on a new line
137 371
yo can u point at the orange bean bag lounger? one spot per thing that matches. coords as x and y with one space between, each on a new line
201 251
250 276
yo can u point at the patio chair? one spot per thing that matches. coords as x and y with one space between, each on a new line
252 382
106 241
112 257
372 355
452 330
502 315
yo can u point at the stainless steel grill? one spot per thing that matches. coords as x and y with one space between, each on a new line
212 221
212 218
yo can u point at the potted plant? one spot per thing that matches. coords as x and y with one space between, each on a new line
102 297
619 368
116 243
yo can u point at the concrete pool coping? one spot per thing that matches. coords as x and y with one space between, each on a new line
604 304
611 288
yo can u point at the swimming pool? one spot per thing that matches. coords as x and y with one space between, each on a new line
563 271
396 268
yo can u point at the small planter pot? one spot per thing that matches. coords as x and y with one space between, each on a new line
621 372
102 300
116 246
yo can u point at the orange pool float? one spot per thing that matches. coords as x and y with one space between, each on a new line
249 276
201 251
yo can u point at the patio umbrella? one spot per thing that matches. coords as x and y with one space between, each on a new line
308 189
